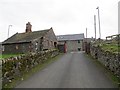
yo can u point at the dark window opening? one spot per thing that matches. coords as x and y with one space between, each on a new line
79 49
78 41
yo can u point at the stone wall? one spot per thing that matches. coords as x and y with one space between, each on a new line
16 48
108 59
74 45
16 66
49 40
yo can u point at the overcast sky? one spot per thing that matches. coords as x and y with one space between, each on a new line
65 16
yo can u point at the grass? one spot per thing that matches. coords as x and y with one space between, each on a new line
108 73
34 70
8 55
113 47
110 47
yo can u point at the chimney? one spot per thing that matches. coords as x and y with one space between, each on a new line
28 27
51 28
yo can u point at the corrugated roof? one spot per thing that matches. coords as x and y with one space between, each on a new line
70 37
26 37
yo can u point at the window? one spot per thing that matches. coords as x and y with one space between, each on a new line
79 49
55 44
29 46
16 47
78 41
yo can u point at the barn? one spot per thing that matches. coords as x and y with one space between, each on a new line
70 42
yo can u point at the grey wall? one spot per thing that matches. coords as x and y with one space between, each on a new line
73 45
37 45
49 40
16 48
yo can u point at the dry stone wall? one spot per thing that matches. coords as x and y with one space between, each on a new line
108 59
16 66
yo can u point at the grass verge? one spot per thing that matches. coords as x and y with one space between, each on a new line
108 73
34 70
8 55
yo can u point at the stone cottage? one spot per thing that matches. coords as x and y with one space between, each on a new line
71 42
30 41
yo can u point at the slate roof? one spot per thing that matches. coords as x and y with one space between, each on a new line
70 37
26 37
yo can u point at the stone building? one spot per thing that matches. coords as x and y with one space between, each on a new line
68 43
30 41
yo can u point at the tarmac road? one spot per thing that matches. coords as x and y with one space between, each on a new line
72 70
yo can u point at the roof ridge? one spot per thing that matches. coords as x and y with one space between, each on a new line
27 36
35 31
71 34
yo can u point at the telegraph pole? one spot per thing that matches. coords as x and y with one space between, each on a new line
86 34
99 22
9 29
95 25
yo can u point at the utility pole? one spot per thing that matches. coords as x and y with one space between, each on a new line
99 23
95 25
86 34
86 42
9 29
